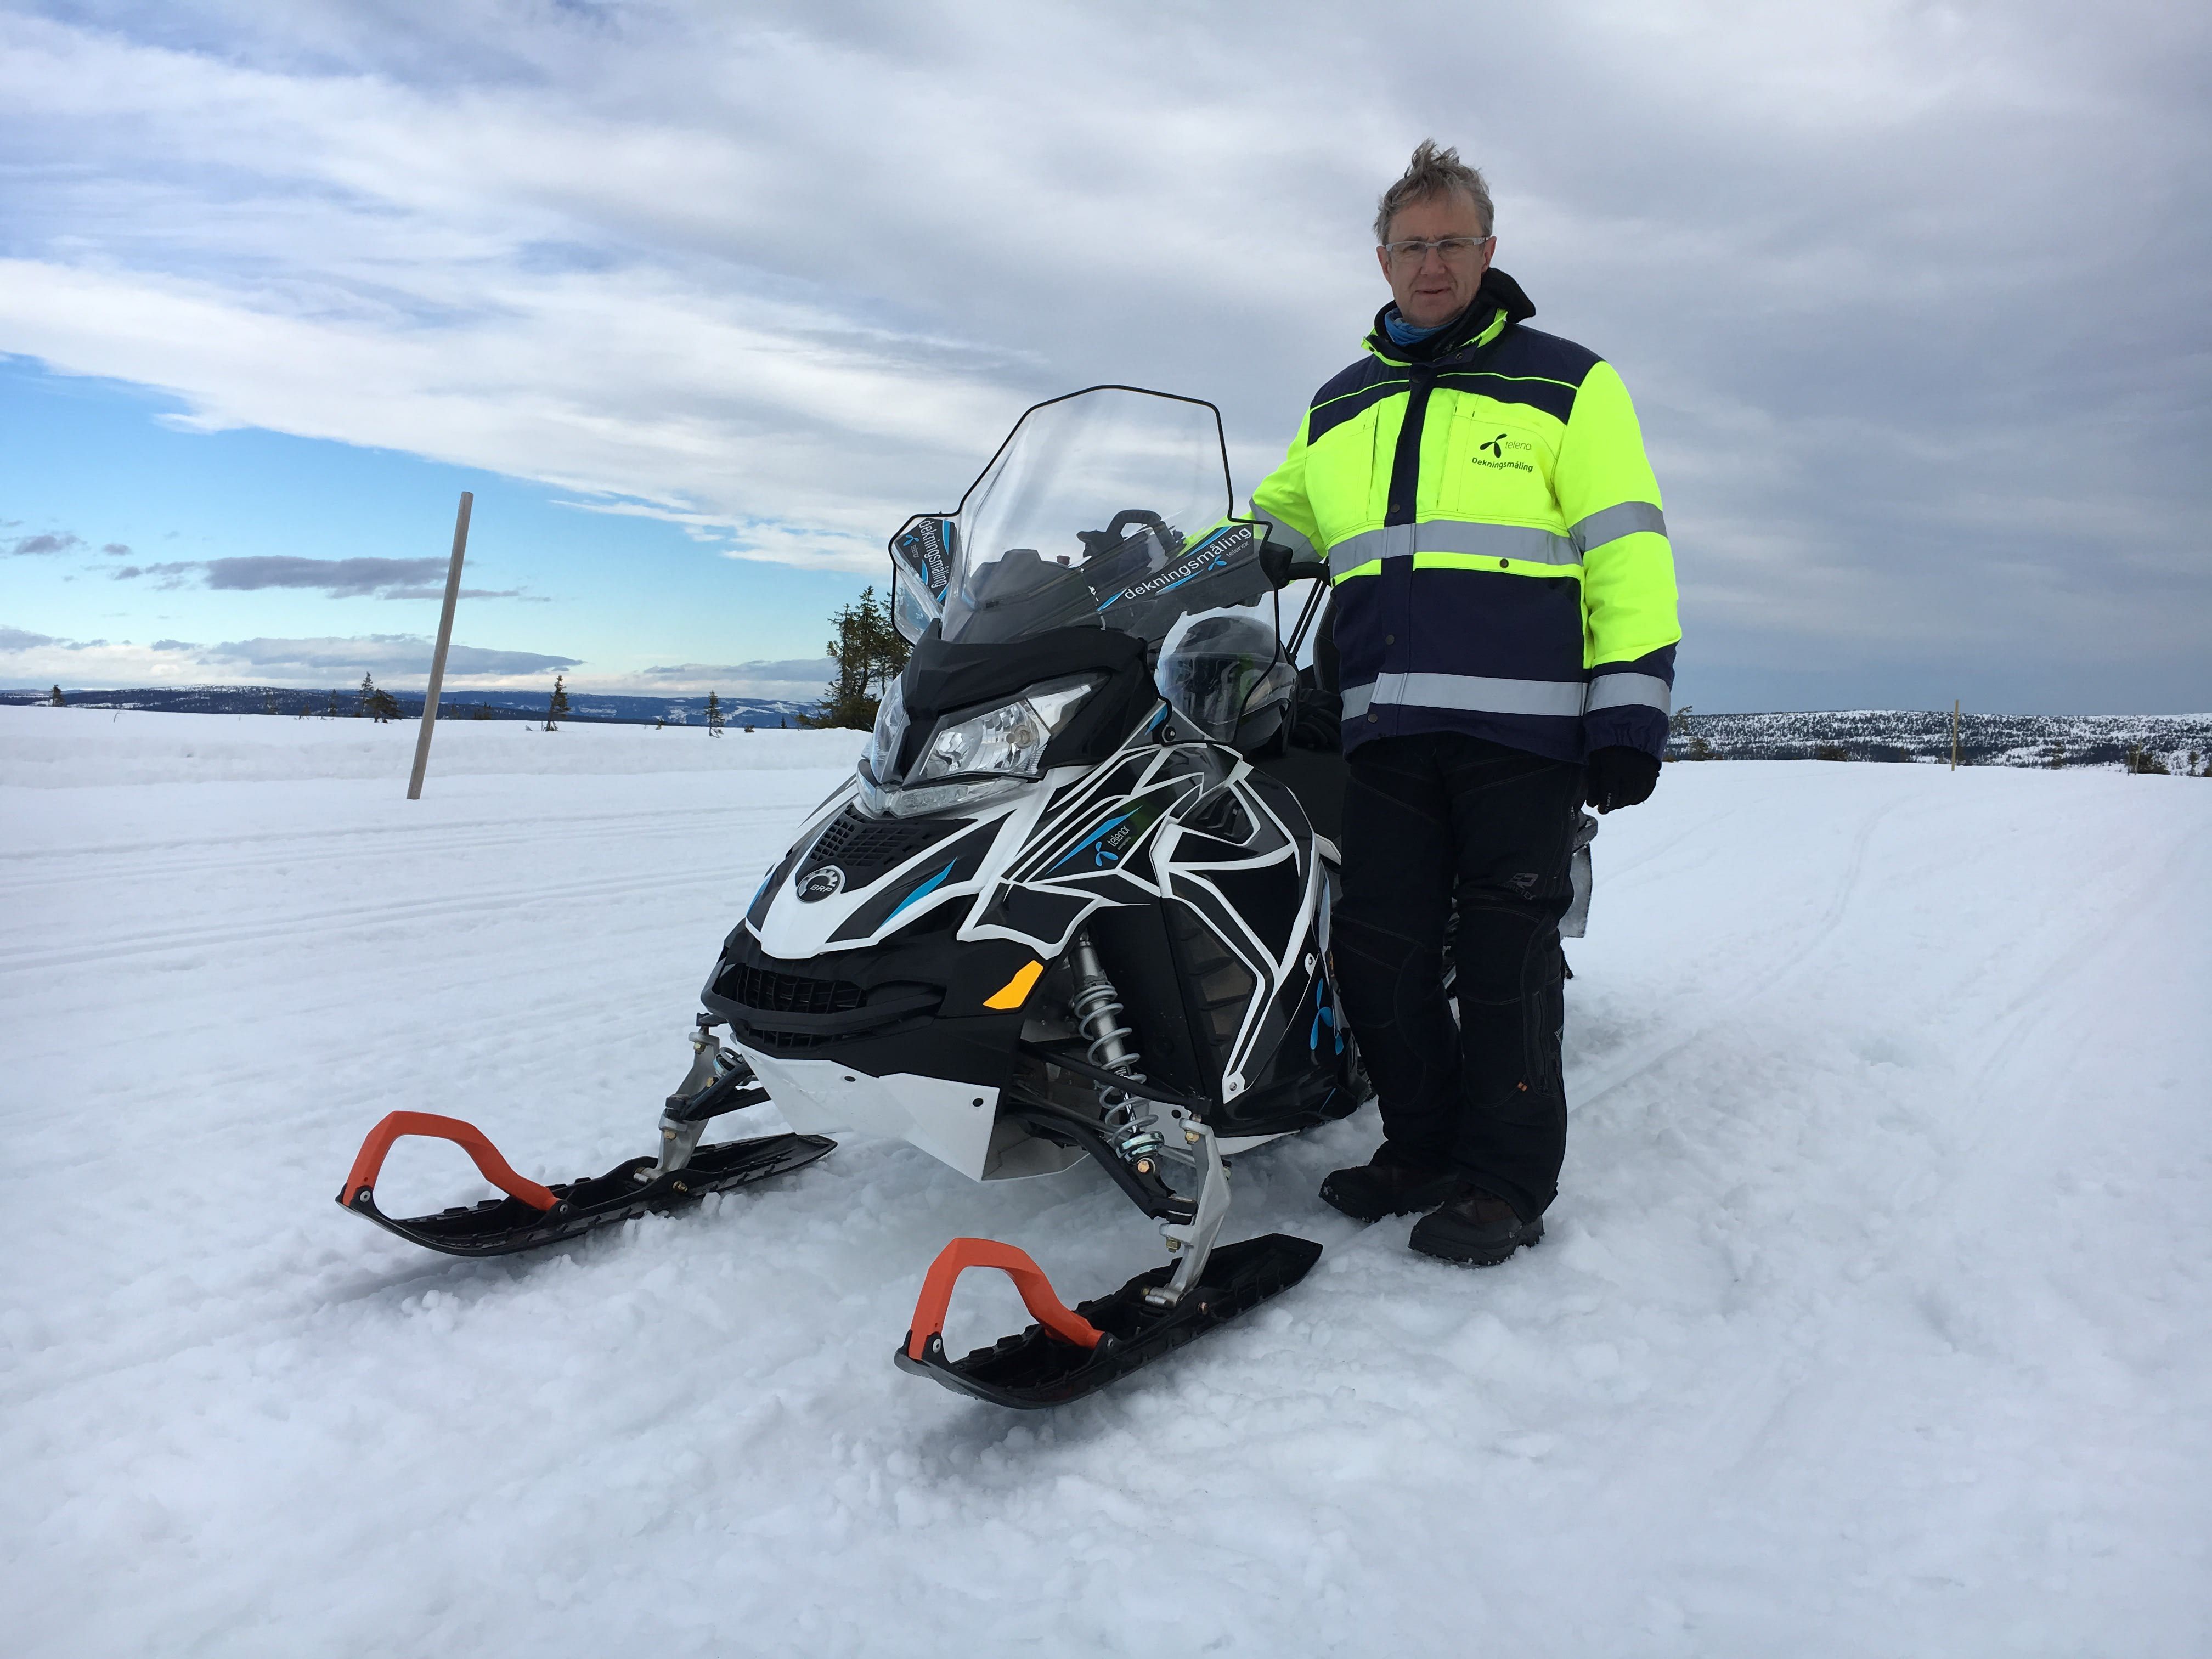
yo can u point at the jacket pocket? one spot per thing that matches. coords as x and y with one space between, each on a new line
1496 466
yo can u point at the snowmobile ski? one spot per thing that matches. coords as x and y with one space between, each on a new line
532 1215
1067 1354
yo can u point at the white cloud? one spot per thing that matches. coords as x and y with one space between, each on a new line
28 657
803 679
406 655
1904 291
46 543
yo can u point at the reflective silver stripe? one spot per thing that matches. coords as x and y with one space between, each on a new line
1630 690
1394 541
1495 541
1356 699
1614 522
1477 695
1491 541
1278 532
1482 695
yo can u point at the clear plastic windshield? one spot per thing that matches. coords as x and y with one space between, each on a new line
1110 507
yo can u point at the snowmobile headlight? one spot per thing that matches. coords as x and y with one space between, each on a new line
1008 741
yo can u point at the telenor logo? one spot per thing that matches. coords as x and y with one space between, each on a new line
821 884
1496 446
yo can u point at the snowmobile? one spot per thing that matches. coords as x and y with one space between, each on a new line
1074 904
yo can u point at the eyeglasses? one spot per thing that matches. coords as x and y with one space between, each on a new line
1454 250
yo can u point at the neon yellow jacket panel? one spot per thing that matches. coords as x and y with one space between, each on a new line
1494 539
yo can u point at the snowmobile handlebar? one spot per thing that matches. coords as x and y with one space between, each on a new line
1282 566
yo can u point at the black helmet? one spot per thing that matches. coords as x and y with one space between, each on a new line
1225 674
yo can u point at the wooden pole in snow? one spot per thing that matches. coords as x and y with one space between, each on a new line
1954 733
438 656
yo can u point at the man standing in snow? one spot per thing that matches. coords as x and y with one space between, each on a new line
1504 615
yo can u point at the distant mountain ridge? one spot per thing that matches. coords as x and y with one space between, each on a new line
584 707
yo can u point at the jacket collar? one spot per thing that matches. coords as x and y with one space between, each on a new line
1497 304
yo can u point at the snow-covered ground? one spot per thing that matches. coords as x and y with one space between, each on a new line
1872 1318
72 748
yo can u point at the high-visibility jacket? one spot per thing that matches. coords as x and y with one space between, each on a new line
1494 539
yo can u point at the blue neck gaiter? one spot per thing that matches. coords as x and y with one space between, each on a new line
1403 333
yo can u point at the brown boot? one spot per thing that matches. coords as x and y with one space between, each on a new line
1394 1182
1476 1229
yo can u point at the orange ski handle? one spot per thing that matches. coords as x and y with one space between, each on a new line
361 1178
1037 1296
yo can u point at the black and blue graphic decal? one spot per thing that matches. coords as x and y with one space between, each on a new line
1107 847
1105 851
1210 553
958 861
1324 1014
924 890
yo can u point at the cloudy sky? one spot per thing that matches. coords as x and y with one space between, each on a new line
702 300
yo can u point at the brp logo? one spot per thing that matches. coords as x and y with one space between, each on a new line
821 884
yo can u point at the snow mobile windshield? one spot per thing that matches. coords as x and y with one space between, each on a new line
1106 507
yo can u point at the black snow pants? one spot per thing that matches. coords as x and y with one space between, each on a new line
1427 819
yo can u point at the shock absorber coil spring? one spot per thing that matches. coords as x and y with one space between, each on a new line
1098 1014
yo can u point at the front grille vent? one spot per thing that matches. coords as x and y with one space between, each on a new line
786 1042
863 848
788 994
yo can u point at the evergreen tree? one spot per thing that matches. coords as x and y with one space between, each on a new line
360 697
866 655
382 706
54 700
557 706
714 715
329 711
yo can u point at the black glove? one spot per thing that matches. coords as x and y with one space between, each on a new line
1620 776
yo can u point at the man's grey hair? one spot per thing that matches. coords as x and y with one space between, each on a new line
1433 172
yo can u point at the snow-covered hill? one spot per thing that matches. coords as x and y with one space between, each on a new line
290 702
1872 1320
2181 743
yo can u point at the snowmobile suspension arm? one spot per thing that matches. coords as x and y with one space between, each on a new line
1069 1057
361 1178
1035 1289
1149 1193
1193 1239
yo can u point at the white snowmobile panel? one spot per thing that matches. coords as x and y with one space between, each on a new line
950 1121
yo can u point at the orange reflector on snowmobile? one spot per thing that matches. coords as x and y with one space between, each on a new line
1015 991
1029 1279
470 1139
